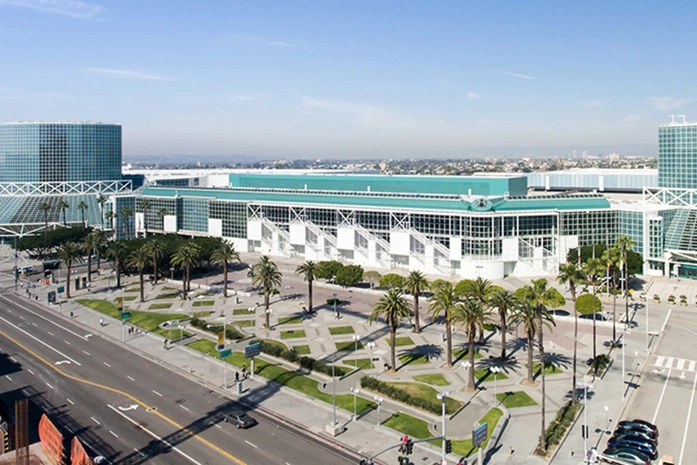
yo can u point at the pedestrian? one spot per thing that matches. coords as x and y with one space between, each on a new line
511 451
101 322
237 376
166 341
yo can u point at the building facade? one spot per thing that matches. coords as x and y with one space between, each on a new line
677 155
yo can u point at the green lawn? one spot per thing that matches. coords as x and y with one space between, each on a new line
204 303
293 334
302 350
515 399
411 426
348 345
244 323
465 448
484 374
363 363
462 354
132 289
166 295
412 359
173 334
129 298
291 379
146 320
429 393
159 306
549 369
273 342
337 330
435 378
169 288
204 314
290 320
400 341
242 311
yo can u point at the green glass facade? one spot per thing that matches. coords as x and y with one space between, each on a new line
677 155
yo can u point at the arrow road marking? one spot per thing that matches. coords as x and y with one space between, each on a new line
61 362
130 407
682 375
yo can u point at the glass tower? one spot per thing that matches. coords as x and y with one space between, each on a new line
59 152
677 155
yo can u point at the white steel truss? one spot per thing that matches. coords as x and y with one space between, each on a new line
23 189
671 196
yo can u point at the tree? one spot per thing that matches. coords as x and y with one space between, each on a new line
625 244
540 296
156 250
88 246
612 258
100 240
504 302
186 256
587 304
110 216
140 259
68 254
462 286
223 255
594 269
101 200
116 253
393 307
372 277
443 302
63 205
161 213
82 206
309 271
415 284
479 289
472 315
265 274
144 205
572 275
349 275
391 281
329 269
45 208
126 214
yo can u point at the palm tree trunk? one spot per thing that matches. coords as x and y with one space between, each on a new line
449 342
595 357
89 266
614 306
225 279
65 219
154 269
626 286
183 283
118 273
574 397
142 295
309 294
481 336
99 261
530 354
504 330
266 308
470 348
543 439
393 347
417 326
67 283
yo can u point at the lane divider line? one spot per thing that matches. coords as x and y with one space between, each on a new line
660 399
687 421
157 393
40 341
42 317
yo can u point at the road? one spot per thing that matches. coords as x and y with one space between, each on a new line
129 409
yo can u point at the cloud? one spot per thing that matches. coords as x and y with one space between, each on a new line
631 118
473 96
72 8
123 73
592 103
518 75
364 113
669 103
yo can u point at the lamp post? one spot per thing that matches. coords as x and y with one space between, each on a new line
334 294
442 396
378 400
269 312
181 334
466 365
585 387
333 393
647 324
16 270
624 344
356 338
495 371
355 392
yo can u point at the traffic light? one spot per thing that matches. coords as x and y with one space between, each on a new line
409 447
448 446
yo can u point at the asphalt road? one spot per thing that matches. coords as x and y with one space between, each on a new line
129 409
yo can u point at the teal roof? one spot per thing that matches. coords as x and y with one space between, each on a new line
388 200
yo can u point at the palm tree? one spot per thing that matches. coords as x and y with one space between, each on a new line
110 216
140 258
594 269
415 284
161 213
480 289
116 252
224 254
265 274
625 244
88 246
126 213
185 257
155 251
309 270
45 208
100 240
540 296
101 200
82 206
393 307
526 314
612 257
572 275
472 315
443 303
505 302
68 254
145 206
63 205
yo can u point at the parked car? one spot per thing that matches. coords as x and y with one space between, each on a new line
628 456
639 445
639 425
640 435
636 430
646 423
241 420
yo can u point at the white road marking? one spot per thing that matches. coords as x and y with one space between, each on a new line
130 378
130 407
141 454
691 367
660 399
13 359
687 421
61 362
22 317
70 402
41 342
174 448
8 377
35 325
30 371
95 420
42 317
157 393
105 363
680 364
663 328
184 407
67 342
49 385
86 353
114 434
50 333
251 444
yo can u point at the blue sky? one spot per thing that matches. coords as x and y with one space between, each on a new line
330 78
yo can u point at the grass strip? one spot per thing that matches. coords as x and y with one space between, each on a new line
436 379
337 330
203 303
293 334
401 341
515 399
159 306
290 320
146 320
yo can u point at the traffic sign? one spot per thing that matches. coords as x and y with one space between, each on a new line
225 353
479 434
252 350
125 315
61 289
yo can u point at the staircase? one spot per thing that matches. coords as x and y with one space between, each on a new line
441 254
330 249
284 246
382 247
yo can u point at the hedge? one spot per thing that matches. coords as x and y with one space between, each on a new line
391 280
555 431
400 395
305 362
215 328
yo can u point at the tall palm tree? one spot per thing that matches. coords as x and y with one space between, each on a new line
101 200
505 302
69 254
63 205
45 208
443 302
156 250
625 244
393 307
540 296
612 257
479 289
144 205
161 213
572 275
224 254
126 213
110 216
186 256
594 269
140 258
526 314
309 271
88 245
415 284
100 241
265 274
472 315
116 253
82 206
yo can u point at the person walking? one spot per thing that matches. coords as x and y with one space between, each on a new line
101 322
237 377
166 341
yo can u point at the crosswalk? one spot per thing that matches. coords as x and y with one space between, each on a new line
675 363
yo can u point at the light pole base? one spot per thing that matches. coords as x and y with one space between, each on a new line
334 429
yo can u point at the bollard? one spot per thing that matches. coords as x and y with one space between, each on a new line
239 388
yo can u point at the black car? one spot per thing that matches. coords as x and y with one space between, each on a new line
241 420
652 429
636 430
628 456
630 437
641 446
646 423
640 435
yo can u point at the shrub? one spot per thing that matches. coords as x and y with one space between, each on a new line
392 280
215 328
327 270
656 297
671 299
556 429
585 304
373 277
462 286
349 275
439 282
305 362
400 395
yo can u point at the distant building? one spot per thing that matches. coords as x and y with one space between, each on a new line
677 155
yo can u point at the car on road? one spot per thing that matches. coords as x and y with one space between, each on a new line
640 424
241 420
625 456
637 444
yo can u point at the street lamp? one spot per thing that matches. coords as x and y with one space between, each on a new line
356 338
333 392
466 365
355 392
442 396
585 387
495 371
334 294
371 347
378 400
624 344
